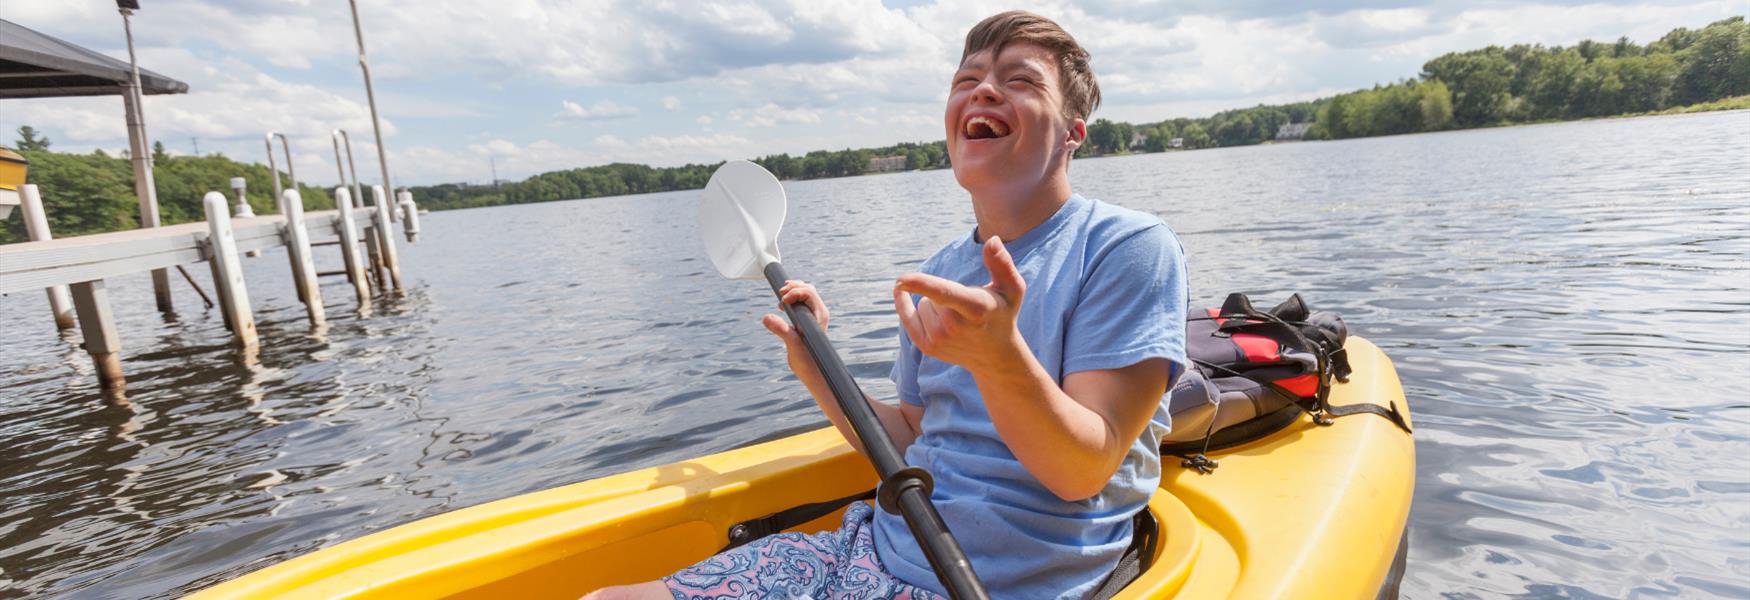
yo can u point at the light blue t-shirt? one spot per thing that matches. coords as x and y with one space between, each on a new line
1105 289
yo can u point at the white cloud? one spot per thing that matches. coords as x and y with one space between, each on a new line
770 114
767 73
602 110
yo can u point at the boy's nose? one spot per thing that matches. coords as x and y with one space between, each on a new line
986 92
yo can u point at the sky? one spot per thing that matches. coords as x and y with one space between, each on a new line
540 85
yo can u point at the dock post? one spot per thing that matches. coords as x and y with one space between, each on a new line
36 223
97 323
228 271
409 214
286 238
213 264
385 234
303 268
349 247
374 268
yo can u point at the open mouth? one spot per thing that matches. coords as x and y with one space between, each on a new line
986 128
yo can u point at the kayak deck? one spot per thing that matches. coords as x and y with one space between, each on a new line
1308 512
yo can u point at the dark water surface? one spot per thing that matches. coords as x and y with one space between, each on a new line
1568 305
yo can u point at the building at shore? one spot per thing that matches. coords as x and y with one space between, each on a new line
887 164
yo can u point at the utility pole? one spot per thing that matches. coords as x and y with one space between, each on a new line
371 97
494 161
197 145
139 151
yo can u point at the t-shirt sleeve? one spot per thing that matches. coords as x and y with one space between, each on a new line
905 370
1132 306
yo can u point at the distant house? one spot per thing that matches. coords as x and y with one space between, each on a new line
1137 140
1292 131
1176 143
884 164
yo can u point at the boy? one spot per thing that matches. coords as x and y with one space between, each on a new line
1034 354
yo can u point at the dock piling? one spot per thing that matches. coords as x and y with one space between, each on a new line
409 214
228 271
385 235
36 223
303 267
97 323
349 247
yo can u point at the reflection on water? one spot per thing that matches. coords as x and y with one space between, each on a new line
1568 305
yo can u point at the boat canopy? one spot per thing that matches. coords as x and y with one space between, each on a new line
34 65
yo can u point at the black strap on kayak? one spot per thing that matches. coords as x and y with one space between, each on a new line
1393 414
753 529
1136 558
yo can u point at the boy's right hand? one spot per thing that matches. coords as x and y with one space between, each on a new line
801 363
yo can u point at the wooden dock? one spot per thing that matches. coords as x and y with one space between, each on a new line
78 266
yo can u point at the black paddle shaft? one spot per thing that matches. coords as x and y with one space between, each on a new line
903 489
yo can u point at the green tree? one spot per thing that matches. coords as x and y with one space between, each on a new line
1479 80
1435 105
28 140
1158 137
158 153
1717 64
1195 136
1103 136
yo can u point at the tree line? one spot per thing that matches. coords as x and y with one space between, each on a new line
1482 88
1496 85
621 178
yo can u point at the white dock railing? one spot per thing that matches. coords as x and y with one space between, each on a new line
82 263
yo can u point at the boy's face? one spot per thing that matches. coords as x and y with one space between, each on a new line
1005 124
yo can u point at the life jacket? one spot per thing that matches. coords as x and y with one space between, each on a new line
1253 373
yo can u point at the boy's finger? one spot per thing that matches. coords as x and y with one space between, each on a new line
1005 278
908 318
809 298
778 326
958 298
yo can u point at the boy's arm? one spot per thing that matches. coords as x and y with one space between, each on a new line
1072 438
901 422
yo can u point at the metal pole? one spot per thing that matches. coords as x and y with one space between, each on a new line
140 153
339 136
371 97
273 170
291 175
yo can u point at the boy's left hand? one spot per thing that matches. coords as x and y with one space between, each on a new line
973 327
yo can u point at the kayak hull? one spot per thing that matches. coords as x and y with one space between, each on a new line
1307 512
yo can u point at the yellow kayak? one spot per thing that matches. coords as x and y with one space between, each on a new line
1309 511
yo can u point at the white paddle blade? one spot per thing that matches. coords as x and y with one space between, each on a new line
740 213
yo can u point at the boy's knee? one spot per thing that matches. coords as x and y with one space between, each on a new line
649 590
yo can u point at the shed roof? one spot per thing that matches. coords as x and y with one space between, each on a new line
34 65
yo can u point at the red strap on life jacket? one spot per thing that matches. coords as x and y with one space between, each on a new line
1256 348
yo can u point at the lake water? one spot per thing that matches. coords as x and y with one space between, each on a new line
1568 306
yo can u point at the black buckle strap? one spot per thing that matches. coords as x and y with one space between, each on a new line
1393 414
1144 535
756 528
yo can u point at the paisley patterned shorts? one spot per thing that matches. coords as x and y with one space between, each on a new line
829 565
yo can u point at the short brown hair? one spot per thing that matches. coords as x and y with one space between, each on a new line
1081 93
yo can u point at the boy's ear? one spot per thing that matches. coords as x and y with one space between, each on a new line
1078 131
